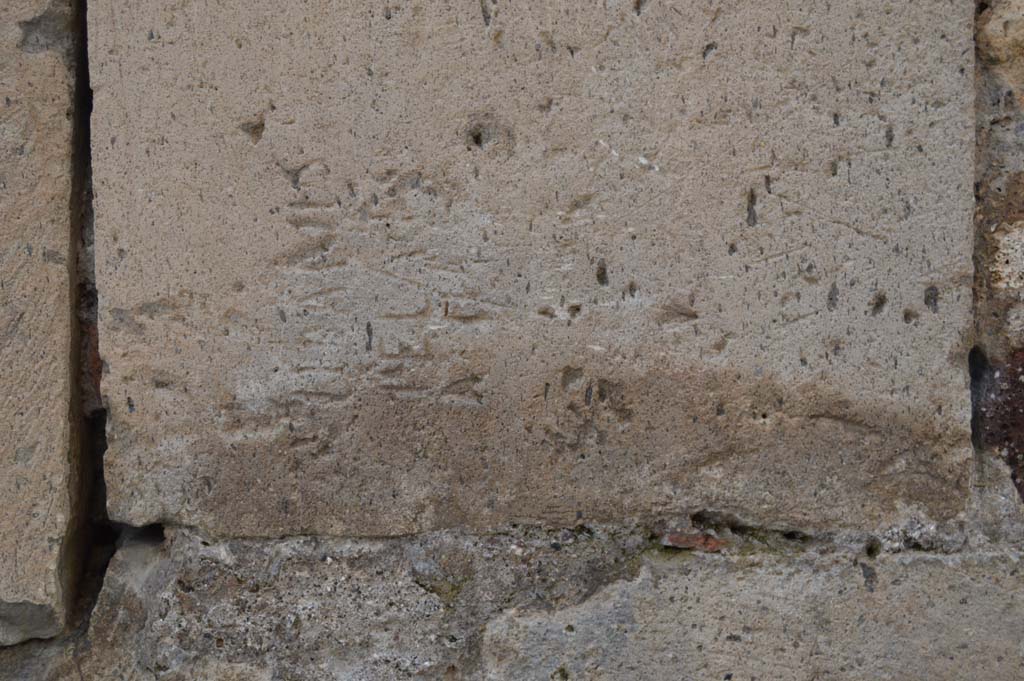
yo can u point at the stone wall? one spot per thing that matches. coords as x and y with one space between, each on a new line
479 339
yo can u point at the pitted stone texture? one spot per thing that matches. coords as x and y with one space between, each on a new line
36 85
591 604
921 617
374 268
322 609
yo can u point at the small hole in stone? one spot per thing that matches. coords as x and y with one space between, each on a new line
878 303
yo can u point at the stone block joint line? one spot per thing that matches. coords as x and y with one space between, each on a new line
86 365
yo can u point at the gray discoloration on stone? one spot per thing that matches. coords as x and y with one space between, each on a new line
748 208
50 30
24 620
35 323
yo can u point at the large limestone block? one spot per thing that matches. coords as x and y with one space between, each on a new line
373 268
36 86
595 604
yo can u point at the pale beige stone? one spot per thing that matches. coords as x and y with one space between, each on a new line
36 474
373 268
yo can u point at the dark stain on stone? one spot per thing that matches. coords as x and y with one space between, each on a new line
997 409
254 129
878 302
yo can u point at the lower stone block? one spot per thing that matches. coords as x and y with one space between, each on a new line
594 603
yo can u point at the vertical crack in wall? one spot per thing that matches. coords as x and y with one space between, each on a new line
93 538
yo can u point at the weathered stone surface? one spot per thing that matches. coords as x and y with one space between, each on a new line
832 617
997 362
36 86
591 604
311 608
405 266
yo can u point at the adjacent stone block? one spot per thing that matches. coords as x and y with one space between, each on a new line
375 268
591 604
924 617
36 472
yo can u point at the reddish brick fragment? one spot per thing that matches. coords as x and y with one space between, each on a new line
695 541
